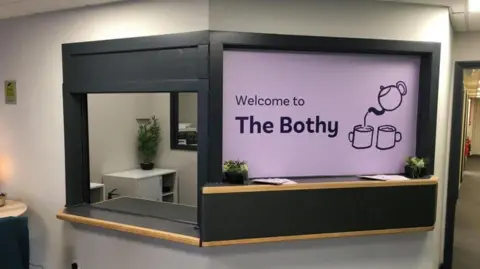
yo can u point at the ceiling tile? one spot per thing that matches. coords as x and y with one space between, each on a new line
455 5
458 6
474 21
458 22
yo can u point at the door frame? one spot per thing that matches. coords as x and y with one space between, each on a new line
455 158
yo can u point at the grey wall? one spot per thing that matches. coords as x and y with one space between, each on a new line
187 103
112 122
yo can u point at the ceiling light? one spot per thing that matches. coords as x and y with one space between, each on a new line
474 5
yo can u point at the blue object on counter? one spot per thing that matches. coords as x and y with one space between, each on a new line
14 243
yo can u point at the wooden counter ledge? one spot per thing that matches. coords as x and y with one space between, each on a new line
316 183
123 222
314 236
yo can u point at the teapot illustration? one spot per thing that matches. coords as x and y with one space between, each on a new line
389 98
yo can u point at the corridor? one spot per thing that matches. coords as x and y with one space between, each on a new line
466 249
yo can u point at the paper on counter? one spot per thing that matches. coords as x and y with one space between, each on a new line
386 177
274 181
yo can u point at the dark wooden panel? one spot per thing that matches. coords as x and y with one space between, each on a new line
284 213
179 40
202 61
456 149
89 71
427 107
152 86
77 174
166 63
215 113
320 43
203 125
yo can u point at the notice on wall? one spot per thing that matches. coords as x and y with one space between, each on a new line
10 92
308 114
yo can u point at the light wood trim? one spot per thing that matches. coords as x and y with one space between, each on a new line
320 185
179 238
314 236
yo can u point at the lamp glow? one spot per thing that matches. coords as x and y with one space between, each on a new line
474 5
6 168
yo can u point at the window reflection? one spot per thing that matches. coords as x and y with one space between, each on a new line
184 111
130 155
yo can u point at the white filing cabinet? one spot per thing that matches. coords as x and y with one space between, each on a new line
156 184
97 192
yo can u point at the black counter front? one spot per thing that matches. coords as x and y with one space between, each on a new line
316 208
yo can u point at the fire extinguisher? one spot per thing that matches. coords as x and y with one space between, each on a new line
468 147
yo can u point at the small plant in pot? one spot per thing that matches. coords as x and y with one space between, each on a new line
235 172
148 141
3 199
415 167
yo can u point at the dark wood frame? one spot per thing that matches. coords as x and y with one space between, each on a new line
174 107
455 159
80 77
428 80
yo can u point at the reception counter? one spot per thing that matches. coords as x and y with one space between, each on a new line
307 125
109 217
253 213
316 208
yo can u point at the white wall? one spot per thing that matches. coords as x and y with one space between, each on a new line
112 131
31 140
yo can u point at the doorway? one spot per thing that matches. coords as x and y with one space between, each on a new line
462 250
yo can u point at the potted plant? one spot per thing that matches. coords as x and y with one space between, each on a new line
415 167
148 141
3 199
235 172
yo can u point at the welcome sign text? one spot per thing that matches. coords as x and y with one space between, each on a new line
284 124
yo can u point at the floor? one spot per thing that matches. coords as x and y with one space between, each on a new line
466 249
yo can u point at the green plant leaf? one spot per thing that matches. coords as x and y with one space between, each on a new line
235 166
148 139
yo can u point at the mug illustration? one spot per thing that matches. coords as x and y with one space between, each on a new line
389 99
361 137
387 137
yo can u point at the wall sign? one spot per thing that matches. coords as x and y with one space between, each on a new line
10 92
310 114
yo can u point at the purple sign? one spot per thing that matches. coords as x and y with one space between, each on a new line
309 114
